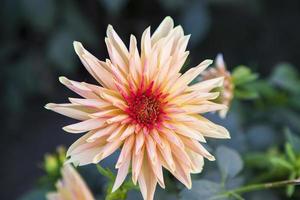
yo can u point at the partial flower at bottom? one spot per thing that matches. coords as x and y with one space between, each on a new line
71 187
145 107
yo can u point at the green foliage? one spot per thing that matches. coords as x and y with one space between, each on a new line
293 140
52 165
120 193
243 79
242 75
278 164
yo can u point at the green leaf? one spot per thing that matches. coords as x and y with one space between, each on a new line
292 139
242 75
229 162
281 162
290 189
244 93
202 189
106 172
290 152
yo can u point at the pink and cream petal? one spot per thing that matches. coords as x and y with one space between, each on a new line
93 66
147 181
162 30
137 161
208 85
78 88
70 110
85 126
122 172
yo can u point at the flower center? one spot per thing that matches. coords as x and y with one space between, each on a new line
145 109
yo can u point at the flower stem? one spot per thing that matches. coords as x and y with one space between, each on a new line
260 186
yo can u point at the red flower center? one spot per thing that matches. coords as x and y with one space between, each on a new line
145 108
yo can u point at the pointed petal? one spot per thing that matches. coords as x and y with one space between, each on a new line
69 110
79 88
107 130
188 76
182 173
208 85
147 181
197 161
197 147
162 30
139 142
137 160
166 153
116 133
95 103
84 126
117 118
108 149
126 149
188 132
146 44
128 132
122 173
93 66
204 107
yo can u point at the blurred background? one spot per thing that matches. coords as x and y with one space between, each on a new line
36 48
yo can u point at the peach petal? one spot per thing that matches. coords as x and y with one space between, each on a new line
107 130
122 173
69 110
84 126
137 160
108 149
126 149
147 181
197 147
78 88
208 85
163 29
93 65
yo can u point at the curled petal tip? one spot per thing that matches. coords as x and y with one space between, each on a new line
211 158
78 47
62 79
109 26
208 61
76 43
49 106
228 136
220 57
220 60
169 18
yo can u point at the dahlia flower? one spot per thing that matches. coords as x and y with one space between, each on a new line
145 107
226 94
71 187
